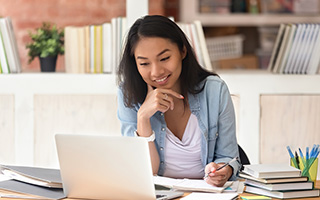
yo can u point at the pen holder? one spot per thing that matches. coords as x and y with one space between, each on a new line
311 173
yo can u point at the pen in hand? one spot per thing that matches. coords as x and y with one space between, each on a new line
226 164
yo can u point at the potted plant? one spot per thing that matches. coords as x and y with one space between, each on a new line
47 43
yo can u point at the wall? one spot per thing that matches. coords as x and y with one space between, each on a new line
27 15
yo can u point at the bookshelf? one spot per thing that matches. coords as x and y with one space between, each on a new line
38 105
256 28
189 12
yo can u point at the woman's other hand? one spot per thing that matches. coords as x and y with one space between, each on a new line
217 178
158 100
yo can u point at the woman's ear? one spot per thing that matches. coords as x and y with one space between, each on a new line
183 52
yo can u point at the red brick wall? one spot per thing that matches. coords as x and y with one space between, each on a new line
27 15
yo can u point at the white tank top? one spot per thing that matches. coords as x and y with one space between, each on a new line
183 157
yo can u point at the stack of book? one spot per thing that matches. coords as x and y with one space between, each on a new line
98 48
296 49
41 183
9 55
277 180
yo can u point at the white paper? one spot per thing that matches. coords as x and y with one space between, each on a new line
189 184
210 196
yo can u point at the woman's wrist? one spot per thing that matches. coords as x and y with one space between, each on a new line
150 138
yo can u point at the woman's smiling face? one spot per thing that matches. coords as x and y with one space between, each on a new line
159 62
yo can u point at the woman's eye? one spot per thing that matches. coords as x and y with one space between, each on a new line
144 64
166 58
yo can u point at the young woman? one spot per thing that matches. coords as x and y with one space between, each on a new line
184 111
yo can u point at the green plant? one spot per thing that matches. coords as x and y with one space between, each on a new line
47 41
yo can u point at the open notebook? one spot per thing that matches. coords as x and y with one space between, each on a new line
107 167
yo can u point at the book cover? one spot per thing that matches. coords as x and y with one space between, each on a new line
271 170
313 65
34 175
297 56
310 49
20 187
10 45
71 49
275 180
276 47
285 194
87 48
107 47
276 67
281 186
303 49
98 49
81 50
288 47
294 49
196 42
203 46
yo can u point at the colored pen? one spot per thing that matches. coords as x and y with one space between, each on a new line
302 158
290 152
297 159
228 163
292 158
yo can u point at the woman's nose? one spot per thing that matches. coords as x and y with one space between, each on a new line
157 70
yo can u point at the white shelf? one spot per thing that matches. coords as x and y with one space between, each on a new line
253 20
189 12
248 85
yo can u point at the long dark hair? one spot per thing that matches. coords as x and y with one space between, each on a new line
133 86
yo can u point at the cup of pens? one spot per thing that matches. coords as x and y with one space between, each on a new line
308 164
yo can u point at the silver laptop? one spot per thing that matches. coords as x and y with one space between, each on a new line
107 167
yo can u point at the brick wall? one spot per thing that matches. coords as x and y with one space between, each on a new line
27 15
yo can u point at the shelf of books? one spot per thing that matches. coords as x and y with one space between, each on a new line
97 48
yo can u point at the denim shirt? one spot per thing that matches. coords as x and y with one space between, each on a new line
214 110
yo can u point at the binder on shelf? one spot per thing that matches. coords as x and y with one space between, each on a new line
314 64
10 60
292 30
311 45
276 47
301 51
3 57
284 44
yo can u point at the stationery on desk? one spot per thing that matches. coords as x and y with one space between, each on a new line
283 180
307 164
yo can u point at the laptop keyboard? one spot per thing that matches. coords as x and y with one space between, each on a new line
160 196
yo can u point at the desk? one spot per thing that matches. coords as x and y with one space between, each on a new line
317 185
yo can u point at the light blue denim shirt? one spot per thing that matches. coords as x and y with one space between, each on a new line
215 113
